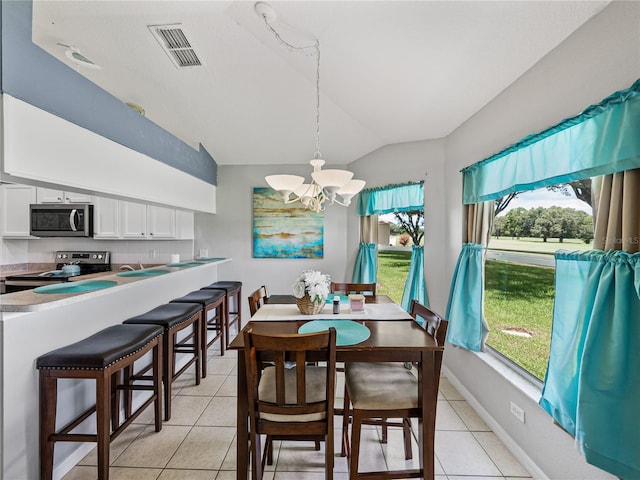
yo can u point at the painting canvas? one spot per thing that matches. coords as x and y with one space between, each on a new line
285 230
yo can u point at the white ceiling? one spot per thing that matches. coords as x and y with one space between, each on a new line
391 71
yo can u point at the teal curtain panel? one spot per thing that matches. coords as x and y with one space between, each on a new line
467 326
414 287
366 265
592 383
601 140
392 198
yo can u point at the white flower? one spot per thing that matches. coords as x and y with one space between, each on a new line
315 283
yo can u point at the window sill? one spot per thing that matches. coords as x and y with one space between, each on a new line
523 381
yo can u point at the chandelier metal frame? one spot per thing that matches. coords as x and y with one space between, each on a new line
325 185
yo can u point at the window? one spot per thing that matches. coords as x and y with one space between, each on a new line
519 268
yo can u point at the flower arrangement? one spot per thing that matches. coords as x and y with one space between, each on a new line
314 284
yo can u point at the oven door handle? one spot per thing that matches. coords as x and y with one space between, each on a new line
72 219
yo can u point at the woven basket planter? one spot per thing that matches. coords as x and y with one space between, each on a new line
307 307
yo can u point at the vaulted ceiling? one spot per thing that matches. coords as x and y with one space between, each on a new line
390 72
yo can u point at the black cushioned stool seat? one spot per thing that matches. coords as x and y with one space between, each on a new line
100 357
232 289
175 317
210 300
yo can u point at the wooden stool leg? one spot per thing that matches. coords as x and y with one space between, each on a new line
197 342
48 402
115 399
221 312
227 319
157 385
203 341
167 372
103 400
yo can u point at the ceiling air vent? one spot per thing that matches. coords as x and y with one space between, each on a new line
175 43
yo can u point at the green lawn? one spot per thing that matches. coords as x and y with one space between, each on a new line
520 298
393 268
517 297
537 245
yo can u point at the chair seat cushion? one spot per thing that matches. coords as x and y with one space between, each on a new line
228 286
381 385
203 297
316 379
168 315
101 349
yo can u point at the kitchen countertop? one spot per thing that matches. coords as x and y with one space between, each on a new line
29 301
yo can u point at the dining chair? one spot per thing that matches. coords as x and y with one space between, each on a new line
347 288
257 299
376 392
290 403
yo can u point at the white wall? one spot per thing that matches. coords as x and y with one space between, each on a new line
600 58
229 233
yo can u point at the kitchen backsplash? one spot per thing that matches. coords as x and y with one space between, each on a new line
122 251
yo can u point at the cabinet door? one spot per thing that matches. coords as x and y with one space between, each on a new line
15 209
162 222
48 195
72 197
133 220
106 218
184 225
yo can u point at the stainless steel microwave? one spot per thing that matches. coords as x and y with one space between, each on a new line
61 220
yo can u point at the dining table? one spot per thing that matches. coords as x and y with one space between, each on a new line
383 332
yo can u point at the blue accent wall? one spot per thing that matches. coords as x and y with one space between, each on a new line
32 75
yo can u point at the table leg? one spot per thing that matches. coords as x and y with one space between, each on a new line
242 425
427 425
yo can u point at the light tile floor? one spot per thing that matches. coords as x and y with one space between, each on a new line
198 443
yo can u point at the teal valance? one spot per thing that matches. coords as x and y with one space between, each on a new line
391 198
601 140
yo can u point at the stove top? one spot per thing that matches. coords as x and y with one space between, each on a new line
89 262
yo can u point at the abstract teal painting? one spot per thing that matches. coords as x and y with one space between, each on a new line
285 230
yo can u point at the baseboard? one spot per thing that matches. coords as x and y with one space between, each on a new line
500 432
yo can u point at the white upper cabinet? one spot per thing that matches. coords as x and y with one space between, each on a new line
161 222
15 210
133 220
106 218
49 195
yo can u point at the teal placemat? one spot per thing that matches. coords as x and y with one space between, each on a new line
343 298
75 287
184 264
348 332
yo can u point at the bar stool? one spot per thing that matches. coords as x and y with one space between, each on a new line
231 289
100 357
174 318
210 300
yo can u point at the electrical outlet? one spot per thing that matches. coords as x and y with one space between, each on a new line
517 412
153 253
204 253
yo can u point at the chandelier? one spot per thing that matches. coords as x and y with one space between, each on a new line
331 186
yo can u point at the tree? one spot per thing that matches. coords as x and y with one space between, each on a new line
581 189
501 203
413 223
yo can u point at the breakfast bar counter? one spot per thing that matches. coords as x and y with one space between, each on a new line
32 324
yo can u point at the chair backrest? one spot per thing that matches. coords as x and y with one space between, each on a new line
433 323
347 288
302 395
257 299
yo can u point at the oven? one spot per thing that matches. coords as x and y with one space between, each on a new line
87 262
